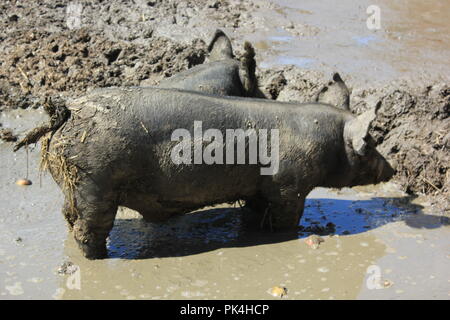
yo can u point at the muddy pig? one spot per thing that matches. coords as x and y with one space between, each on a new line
223 75
117 148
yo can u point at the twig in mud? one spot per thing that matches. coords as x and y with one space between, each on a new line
429 182
144 128
24 75
22 87
83 137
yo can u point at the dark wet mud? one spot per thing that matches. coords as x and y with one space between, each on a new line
389 241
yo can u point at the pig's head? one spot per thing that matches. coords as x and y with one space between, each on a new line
362 163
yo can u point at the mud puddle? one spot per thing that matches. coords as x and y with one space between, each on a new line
377 243
412 38
32 230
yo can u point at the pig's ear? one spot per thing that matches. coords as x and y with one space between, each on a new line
220 47
335 92
357 129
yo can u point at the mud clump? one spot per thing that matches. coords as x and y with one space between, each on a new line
7 135
412 131
67 268
69 63
45 52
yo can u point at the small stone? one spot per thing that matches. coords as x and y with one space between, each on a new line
314 241
23 182
277 291
67 267
387 283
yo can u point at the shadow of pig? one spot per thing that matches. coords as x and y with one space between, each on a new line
216 228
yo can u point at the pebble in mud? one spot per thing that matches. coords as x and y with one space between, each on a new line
67 267
314 241
23 182
278 292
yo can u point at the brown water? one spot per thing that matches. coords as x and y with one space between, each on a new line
413 40
207 255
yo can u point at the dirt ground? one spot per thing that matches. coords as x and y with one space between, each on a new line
56 47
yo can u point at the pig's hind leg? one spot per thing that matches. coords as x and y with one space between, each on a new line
254 211
95 211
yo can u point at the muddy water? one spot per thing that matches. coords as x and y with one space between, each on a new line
412 41
30 219
384 245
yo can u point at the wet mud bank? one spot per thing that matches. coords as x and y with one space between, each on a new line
388 241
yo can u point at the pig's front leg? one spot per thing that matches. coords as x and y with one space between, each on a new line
286 212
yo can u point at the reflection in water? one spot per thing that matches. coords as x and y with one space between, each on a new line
356 216
281 38
182 235
288 60
364 40
215 228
